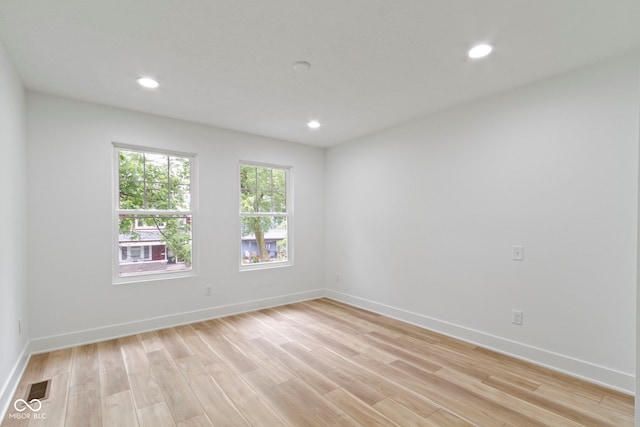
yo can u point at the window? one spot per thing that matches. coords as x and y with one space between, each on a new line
154 212
265 216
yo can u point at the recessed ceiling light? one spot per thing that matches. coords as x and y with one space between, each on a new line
314 124
480 50
147 82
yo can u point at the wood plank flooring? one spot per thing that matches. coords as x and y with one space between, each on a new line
316 363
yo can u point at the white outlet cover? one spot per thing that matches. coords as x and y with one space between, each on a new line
517 253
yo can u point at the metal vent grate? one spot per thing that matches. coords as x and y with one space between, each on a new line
39 390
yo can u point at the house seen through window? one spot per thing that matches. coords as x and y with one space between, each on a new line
154 212
265 215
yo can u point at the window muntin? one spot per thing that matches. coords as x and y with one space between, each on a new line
154 213
265 216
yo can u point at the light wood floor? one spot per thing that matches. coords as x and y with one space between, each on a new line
315 363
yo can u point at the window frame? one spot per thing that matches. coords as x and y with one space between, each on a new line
288 214
116 212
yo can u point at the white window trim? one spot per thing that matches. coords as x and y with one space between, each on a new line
289 214
194 190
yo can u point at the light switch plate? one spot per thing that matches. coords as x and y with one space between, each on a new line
516 317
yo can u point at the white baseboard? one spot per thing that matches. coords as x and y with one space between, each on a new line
607 377
11 384
87 336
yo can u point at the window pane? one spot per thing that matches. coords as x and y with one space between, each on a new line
279 202
157 196
154 244
131 166
180 170
131 176
248 177
179 197
247 201
248 193
156 168
264 180
264 239
131 195
279 180
264 202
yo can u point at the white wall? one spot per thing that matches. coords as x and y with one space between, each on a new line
637 400
421 219
13 229
70 224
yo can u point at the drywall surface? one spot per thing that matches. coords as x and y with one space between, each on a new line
637 400
421 220
13 229
71 170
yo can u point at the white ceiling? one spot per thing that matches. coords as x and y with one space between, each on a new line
375 63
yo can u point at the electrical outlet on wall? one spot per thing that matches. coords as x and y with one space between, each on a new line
517 253
208 290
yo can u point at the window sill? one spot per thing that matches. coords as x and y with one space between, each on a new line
152 277
265 265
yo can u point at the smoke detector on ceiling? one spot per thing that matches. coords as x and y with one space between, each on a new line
301 66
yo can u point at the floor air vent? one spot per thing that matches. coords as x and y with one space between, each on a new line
39 390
